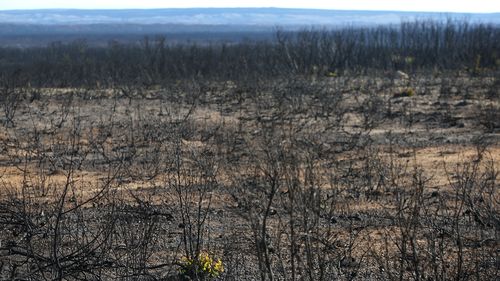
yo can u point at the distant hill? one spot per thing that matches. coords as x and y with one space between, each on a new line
228 16
25 28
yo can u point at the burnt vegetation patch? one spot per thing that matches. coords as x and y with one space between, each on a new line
349 154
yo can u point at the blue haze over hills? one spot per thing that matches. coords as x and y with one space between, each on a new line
37 27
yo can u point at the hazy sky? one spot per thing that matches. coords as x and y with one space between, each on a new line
472 6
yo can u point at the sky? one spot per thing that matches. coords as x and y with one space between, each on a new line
464 6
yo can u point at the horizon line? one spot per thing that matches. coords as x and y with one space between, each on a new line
249 8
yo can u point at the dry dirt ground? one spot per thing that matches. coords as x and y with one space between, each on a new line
366 157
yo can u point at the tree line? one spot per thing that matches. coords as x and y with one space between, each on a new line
410 46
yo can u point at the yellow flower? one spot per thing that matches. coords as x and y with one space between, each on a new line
204 264
218 267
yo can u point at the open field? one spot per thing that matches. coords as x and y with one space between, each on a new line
307 178
350 153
